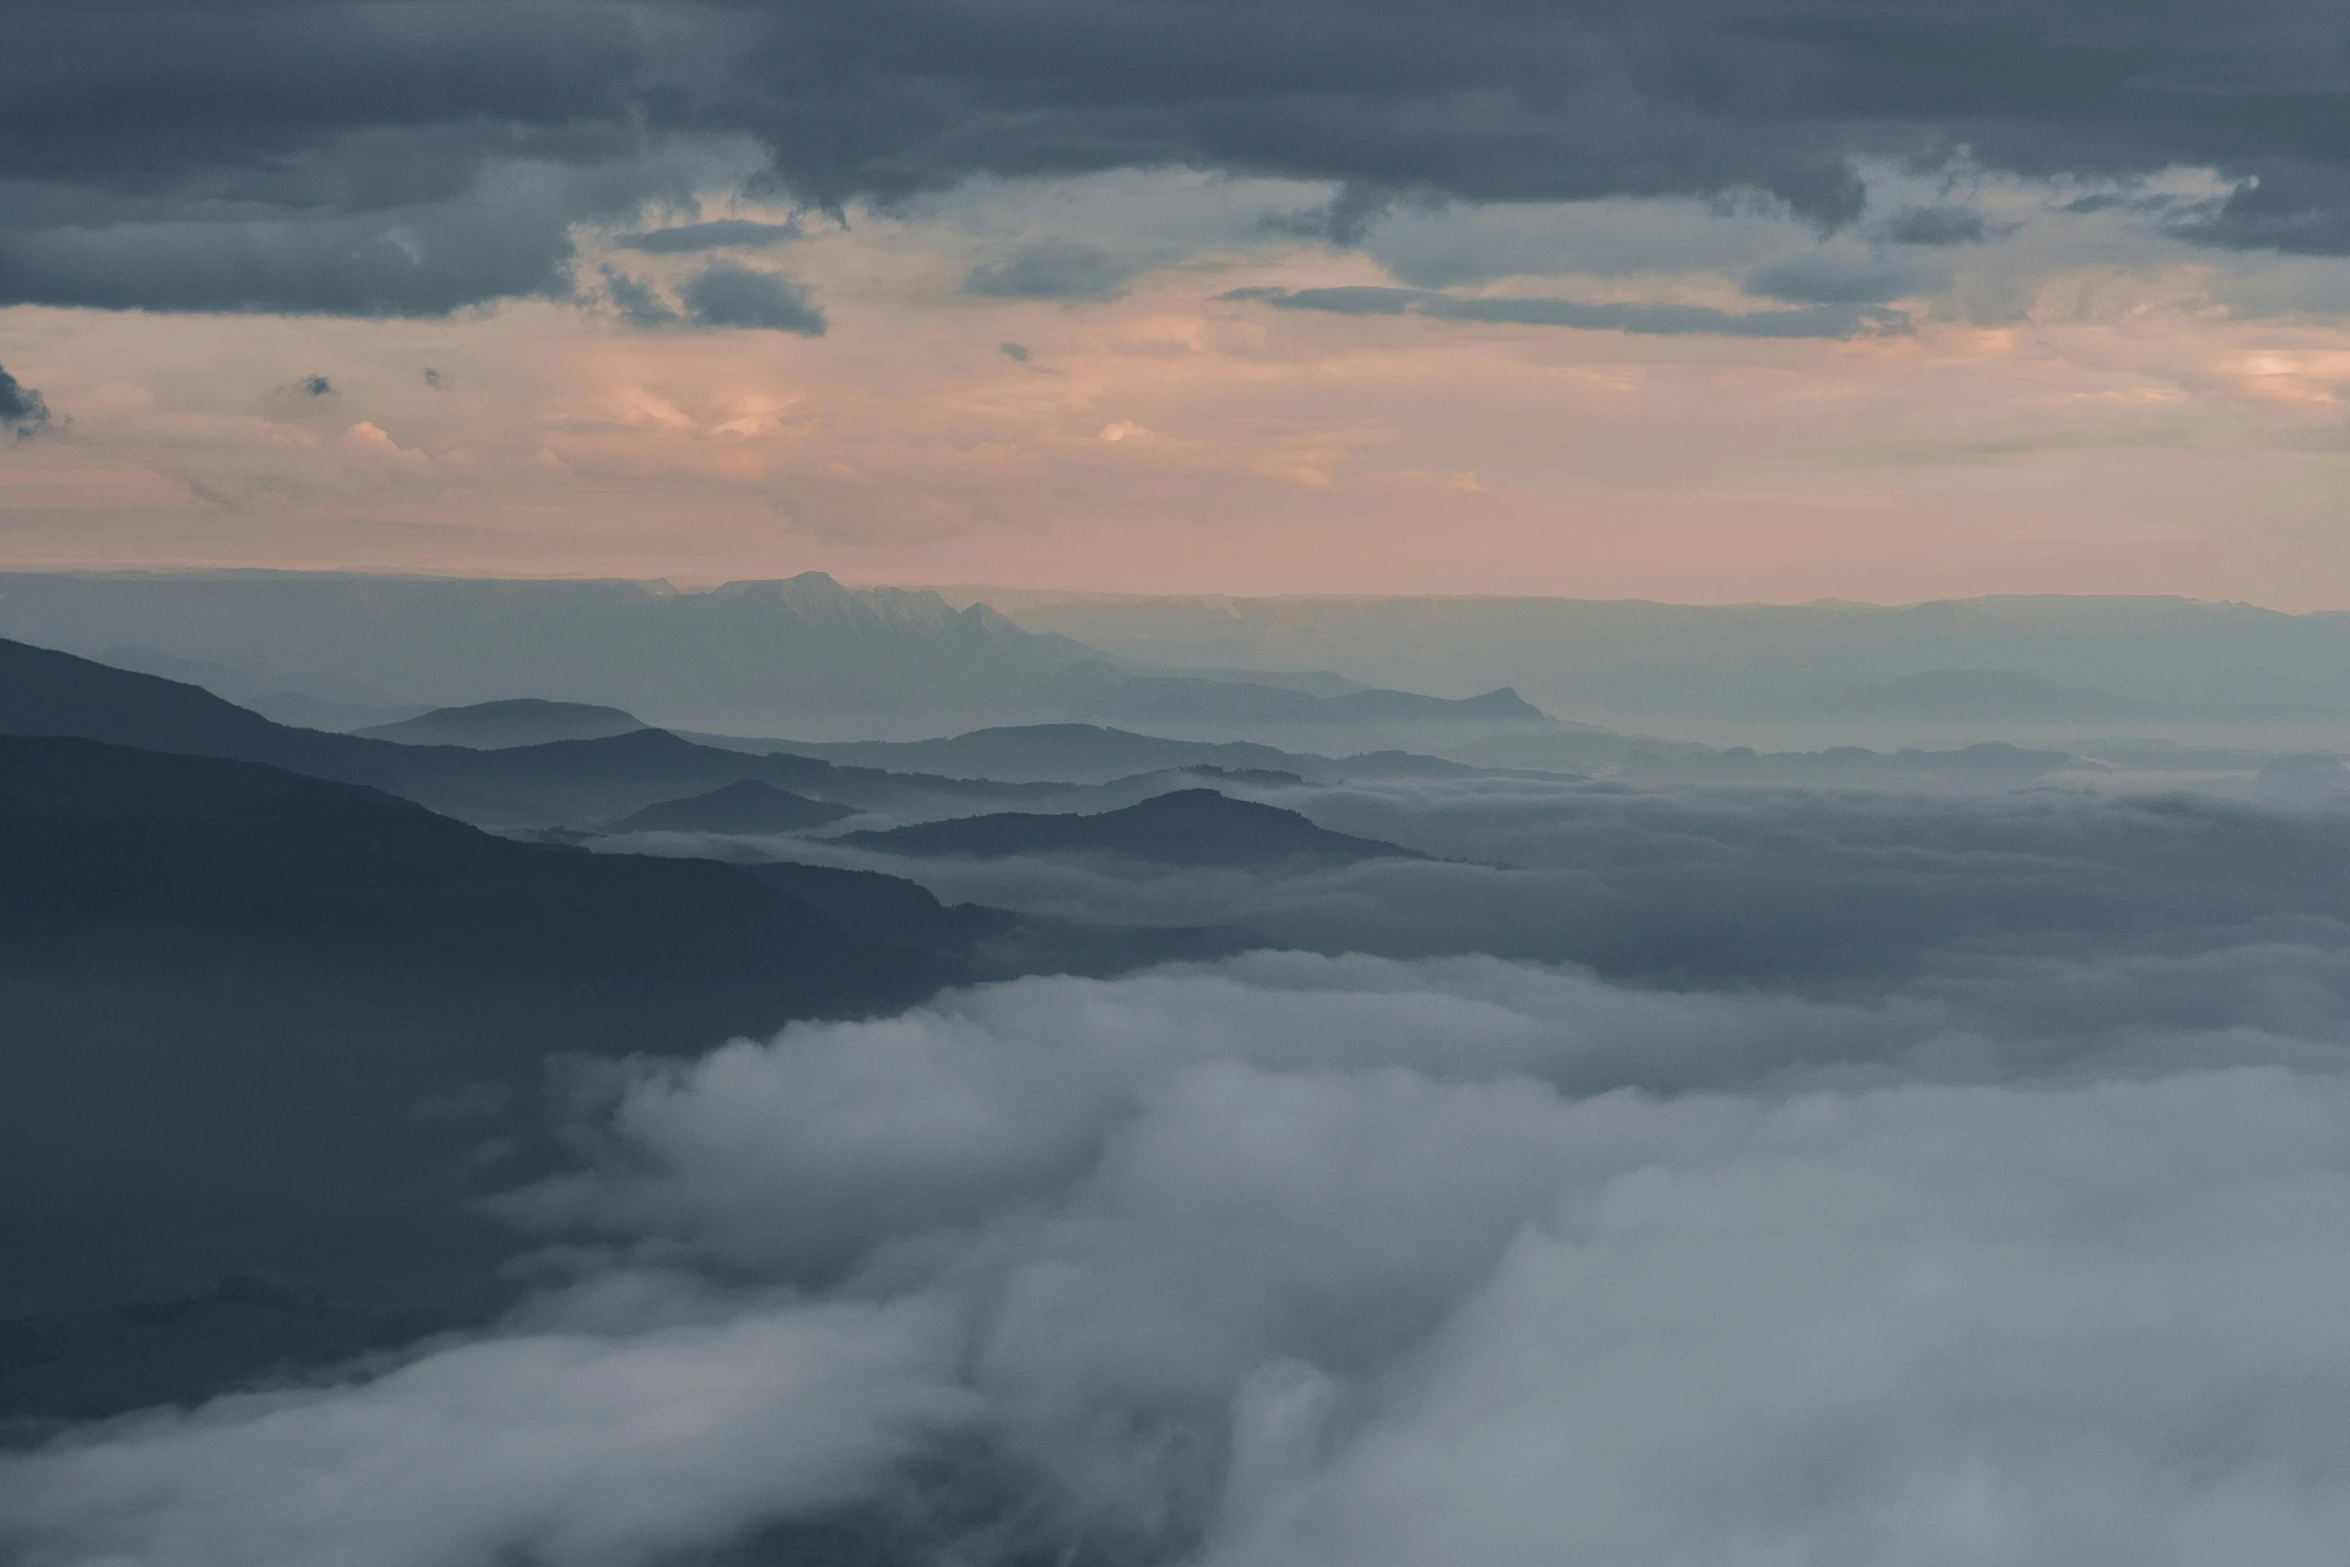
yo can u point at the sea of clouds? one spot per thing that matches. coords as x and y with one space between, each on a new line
2018 1232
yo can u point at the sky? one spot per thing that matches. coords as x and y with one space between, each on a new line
1693 300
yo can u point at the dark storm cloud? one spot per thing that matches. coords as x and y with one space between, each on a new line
720 234
2296 209
1050 269
725 295
638 302
343 157
1937 226
1345 218
1016 352
301 398
212 241
1822 278
24 412
1667 320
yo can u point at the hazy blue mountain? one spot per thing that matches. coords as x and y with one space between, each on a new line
1185 827
43 692
746 806
994 943
498 725
800 655
1216 709
591 782
260 696
1986 766
1092 753
746 654
1626 657
1138 787
1970 695
1196 700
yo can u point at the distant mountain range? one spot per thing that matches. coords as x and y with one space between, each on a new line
497 726
1184 827
592 783
43 692
800 655
1970 695
1617 659
1090 753
807 657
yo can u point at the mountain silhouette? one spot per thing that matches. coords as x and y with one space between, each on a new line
1184 827
43 692
746 806
492 726
802 653
257 1021
735 653
1233 701
992 943
1068 753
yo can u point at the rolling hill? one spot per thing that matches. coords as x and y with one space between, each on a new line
493 726
257 1021
801 654
44 692
745 806
1185 827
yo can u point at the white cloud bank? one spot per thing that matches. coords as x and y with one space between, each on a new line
1298 1261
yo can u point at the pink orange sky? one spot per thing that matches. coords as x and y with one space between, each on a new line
2071 406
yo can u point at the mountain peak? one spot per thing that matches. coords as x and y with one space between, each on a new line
514 721
747 805
1182 827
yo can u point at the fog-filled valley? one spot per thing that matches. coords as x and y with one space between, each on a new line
593 1076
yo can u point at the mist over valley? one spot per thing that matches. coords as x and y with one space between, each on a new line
546 1131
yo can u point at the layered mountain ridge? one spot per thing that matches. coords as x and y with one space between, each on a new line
801 655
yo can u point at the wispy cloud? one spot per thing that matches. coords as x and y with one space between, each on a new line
1658 319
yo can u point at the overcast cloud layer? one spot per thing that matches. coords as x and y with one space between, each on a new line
410 158
1311 295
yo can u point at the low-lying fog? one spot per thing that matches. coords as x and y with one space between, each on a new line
1737 1176
1783 887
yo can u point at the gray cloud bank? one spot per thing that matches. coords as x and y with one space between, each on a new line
1305 1260
1972 1192
1050 269
411 158
720 296
1829 320
718 234
725 295
24 412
